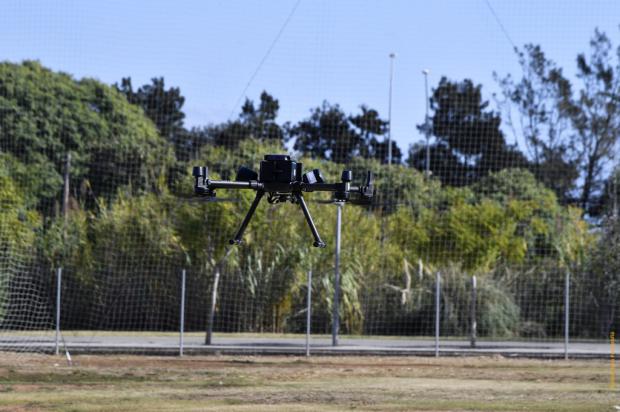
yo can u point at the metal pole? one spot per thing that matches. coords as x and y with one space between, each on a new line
65 197
614 183
58 286
566 312
389 140
182 320
426 126
612 360
336 308
308 312
437 297
474 324
65 213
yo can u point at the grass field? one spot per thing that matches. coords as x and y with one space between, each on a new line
140 383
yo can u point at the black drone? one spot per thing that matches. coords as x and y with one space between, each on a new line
283 180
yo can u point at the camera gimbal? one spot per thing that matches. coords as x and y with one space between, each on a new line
283 180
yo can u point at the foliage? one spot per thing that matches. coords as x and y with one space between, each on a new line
163 107
130 226
573 133
598 284
595 113
609 204
18 230
469 142
46 115
136 254
18 224
539 97
253 123
498 314
326 134
332 135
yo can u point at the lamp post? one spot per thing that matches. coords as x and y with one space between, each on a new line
427 128
336 308
389 139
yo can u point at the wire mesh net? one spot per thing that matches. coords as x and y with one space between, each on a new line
96 179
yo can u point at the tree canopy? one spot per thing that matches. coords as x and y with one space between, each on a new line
129 227
332 135
572 132
46 115
469 143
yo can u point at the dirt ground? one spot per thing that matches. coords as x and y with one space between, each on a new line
141 383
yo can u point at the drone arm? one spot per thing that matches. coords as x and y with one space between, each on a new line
207 187
327 187
317 238
237 239
227 184
343 189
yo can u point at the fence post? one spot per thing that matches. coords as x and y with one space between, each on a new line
308 312
566 312
182 314
473 323
58 291
437 300
336 308
216 281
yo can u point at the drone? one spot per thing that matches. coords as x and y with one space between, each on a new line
283 180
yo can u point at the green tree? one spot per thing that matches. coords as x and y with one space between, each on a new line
595 115
469 142
603 281
136 255
574 132
609 204
163 106
540 96
46 115
254 122
261 120
18 229
326 134
372 130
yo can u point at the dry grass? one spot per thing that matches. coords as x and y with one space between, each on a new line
138 383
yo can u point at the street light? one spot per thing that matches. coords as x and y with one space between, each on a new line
336 306
427 128
389 139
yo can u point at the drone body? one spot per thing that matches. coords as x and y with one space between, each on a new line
282 179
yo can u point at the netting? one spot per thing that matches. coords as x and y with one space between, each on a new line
517 189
